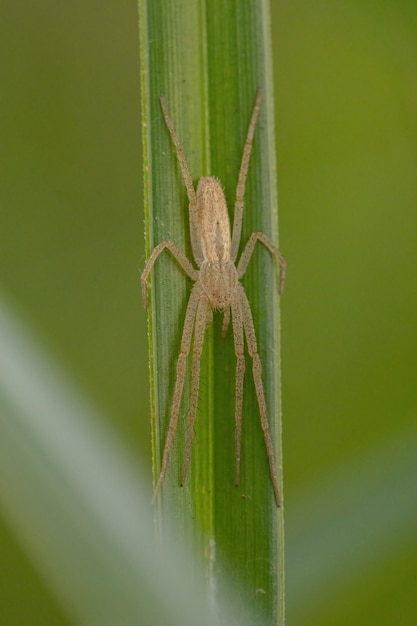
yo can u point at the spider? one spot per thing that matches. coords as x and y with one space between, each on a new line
216 286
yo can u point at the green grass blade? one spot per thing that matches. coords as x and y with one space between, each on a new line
208 59
76 500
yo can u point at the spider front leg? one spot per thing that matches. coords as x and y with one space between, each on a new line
241 183
259 389
187 334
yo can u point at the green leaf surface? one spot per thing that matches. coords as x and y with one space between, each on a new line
208 59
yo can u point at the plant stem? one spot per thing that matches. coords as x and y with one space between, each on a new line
208 59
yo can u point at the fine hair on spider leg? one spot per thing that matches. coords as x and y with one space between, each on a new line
216 286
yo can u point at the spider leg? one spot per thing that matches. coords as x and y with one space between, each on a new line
247 253
179 256
180 154
257 378
209 317
199 332
241 183
192 196
238 339
226 321
187 334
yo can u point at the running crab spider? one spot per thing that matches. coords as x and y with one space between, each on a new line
216 286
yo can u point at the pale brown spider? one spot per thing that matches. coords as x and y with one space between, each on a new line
216 286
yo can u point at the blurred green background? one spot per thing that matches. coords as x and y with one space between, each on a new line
71 248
